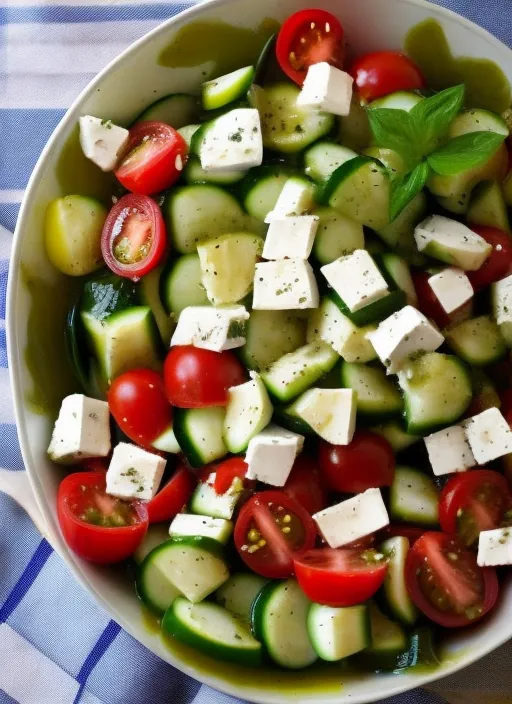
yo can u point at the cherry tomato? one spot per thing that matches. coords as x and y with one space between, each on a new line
445 582
309 37
226 472
506 404
271 528
412 533
133 240
367 462
96 526
172 497
499 263
430 306
340 577
474 501
305 485
383 72
195 378
94 464
155 157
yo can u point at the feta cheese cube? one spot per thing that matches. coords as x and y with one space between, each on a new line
452 288
134 473
232 141
404 333
327 88
285 284
215 329
296 198
291 237
330 412
489 435
271 455
102 142
502 307
82 430
352 519
356 279
451 242
449 451
328 323
495 547
188 524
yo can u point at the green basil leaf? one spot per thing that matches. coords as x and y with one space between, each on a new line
394 129
465 152
434 115
404 188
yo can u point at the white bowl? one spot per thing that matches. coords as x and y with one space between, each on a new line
131 82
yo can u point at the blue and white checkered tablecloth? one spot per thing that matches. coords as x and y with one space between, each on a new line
56 645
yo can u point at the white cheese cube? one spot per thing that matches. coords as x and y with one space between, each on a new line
402 334
82 430
356 279
286 284
327 88
271 455
352 519
489 435
495 547
291 237
330 412
188 524
328 323
232 141
134 473
215 329
449 451
296 198
502 307
452 288
451 242
102 142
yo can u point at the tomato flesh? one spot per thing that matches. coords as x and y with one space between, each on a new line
305 485
383 72
498 264
227 472
172 497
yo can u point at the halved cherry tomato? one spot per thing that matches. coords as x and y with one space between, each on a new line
195 378
499 263
340 577
133 240
445 582
309 37
367 462
305 485
229 470
474 501
412 533
155 157
506 404
94 464
383 72
172 497
96 526
430 306
139 405
271 528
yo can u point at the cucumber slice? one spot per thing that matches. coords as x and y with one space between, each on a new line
157 534
401 100
394 587
239 592
194 173
181 285
187 132
288 417
108 293
392 160
261 188
437 391
77 349
399 271
421 652
279 620
399 234
397 437
501 299
323 158
413 498
488 206
228 265
376 311
248 411
269 335
331 413
507 190
226 89
205 501
337 235
477 120
354 129
166 442
377 396
328 323
176 110
389 642
149 288
213 630
337 633
297 371
477 341
199 434
186 525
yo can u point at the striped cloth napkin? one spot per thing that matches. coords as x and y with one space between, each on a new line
56 645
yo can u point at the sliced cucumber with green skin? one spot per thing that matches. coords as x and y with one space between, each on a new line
297 371
186 525
477 120
76 349
206 502
199 434
377 396
395 434
354 129
507 190
181 285
399 234
149 287
187 132
413 498
421 651
392 160
279 620
399 271
337 235
376 311
166 442
269 335
213 630
477 341
288 417
323 158
226 89
176 110
106 293
389 643
157 534
394 588
401 100
261 188
437 391
194 173
488 207
248 411
337 633
237 595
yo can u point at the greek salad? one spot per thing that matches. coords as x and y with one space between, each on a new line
292 339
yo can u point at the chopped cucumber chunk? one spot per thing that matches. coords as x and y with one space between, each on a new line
337 633
395 590
413 498
239 592
199 434
271 334
337 235
226 89
477 341
248 411
181 285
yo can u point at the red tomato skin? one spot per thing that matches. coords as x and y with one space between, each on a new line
383 72
226 472
498 264
160 170
367 462
172 497
150 210
427 300
305 485
94 464
412 533
196 378
94 543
